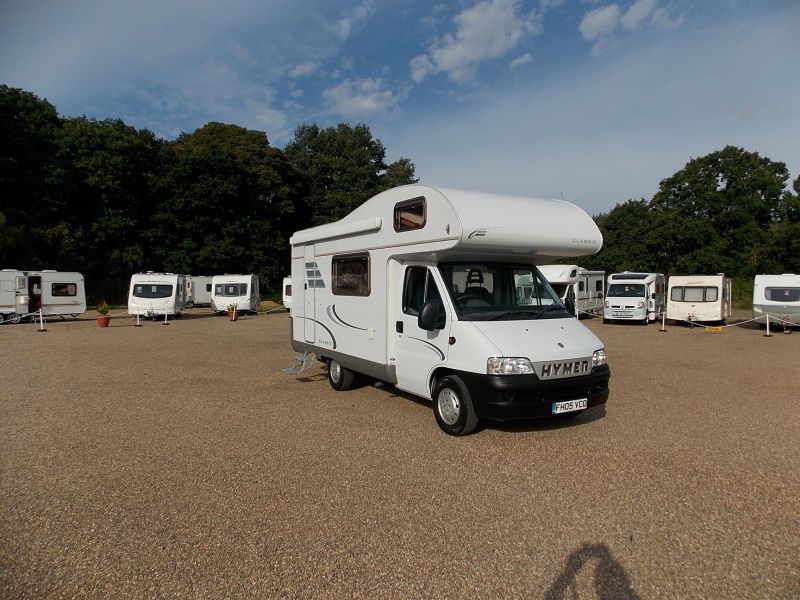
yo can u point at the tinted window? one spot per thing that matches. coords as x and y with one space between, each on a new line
152 290
409 215
64 289
782 294
626 290
230 289
351 275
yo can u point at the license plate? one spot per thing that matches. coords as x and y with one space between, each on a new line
568 406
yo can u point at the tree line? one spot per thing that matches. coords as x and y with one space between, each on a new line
108 200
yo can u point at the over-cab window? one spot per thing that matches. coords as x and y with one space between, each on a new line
410 214
351 275
65 289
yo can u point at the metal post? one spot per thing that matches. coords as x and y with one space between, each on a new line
768 334
138 324
41 322
165 318
663 321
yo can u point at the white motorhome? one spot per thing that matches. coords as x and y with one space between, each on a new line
423 288
586 288
702 298
777 296
240 290
637 297
56 293
157 294
198 290
287 292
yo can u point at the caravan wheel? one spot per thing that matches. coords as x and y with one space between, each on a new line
453 407
15 318
340 378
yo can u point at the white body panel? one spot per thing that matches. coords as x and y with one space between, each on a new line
287 292
642 307
198 290
54 292
587 287
12 284
372 334
241 290
154 294
777 296
704 298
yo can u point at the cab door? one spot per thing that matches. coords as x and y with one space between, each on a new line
419 351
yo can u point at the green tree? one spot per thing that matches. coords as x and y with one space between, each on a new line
28 129
343 166
230 205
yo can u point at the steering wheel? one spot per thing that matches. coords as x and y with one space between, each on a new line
472 301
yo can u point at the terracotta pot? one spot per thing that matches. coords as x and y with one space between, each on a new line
103 320
233 315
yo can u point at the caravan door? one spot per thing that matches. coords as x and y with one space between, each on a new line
418 351
312 275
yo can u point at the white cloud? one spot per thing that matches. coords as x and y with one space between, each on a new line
521 60
304 69
600 22
484 32
638 12
357 98
354 19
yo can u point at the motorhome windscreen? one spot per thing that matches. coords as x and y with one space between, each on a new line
485 291
230 289
782 294
694 294
152 290
627 290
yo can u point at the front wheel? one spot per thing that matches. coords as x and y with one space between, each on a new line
453 406
340 378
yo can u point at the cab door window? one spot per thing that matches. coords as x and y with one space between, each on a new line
418 288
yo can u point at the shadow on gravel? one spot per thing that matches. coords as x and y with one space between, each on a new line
609 578
548 423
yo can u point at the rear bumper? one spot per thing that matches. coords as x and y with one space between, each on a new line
506 397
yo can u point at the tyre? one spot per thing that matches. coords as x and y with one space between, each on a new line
15 318
453 406
606 321
340 378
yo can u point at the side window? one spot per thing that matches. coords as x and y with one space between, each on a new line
351 275
580 286
676 294
418 288
598 285
410 214
64 289
208 288
712 294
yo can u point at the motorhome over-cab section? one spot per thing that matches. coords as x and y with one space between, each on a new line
437 292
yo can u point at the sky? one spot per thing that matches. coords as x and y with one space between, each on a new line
588 100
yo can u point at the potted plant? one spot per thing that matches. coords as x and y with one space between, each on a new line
103 318
232 314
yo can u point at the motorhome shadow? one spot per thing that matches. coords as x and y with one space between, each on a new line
437 292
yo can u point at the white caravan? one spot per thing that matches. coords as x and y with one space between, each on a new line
585 288
287 293
56 293
637 297
703 298
777 296
198 291
12 285
157 294
422 287
240 290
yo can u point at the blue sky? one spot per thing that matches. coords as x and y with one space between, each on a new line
590 99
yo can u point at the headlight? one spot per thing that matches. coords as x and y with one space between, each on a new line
509 366
599 357
640 304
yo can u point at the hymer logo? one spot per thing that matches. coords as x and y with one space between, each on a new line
564 369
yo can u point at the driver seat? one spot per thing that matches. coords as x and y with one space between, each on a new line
475 286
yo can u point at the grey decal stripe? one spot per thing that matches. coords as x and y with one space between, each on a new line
435 348
333 307
333 338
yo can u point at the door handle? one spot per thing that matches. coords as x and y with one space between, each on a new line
398 327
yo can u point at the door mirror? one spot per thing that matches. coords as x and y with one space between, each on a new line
653 295
429 316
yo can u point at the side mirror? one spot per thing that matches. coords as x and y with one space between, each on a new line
653 296
429 316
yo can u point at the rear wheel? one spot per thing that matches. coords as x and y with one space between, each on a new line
339 377
453 406
15 318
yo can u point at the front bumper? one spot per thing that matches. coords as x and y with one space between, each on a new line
506 397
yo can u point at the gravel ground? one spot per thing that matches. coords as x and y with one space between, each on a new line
180 462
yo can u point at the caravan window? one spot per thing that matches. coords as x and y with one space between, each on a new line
351 275
152 290
681 293
64 289
782 294
409 215
598 285
230 289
